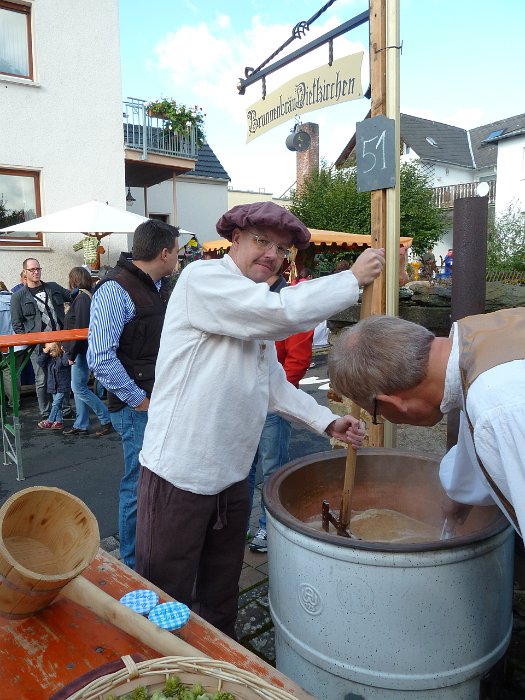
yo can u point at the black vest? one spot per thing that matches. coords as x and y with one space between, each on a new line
140 340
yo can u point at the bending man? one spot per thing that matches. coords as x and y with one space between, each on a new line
402 371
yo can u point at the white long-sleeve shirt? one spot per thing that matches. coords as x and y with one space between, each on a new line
217 376
496 408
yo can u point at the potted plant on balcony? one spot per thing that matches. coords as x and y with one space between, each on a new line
178 118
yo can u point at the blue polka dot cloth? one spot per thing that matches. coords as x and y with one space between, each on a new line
140 601
170 616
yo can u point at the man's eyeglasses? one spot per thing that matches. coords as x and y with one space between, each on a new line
374 412
33 269
265 244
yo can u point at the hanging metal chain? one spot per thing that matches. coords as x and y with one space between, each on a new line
298 32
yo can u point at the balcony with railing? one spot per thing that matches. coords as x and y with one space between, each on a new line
443 197
150 134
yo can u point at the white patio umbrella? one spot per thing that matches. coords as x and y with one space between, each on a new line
92 217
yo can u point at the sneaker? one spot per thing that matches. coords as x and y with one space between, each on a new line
259 542
44 424
57 426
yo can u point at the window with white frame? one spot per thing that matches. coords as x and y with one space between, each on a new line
15 40
19 201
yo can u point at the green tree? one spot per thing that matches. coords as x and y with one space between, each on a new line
418 217
506 240
330 200
8 217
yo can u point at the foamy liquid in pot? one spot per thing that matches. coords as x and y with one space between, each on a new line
386 525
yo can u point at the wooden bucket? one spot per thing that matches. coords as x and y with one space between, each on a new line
47 537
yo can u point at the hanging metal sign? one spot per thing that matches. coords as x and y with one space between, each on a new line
322 87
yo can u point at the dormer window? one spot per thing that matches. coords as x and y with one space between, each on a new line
431 141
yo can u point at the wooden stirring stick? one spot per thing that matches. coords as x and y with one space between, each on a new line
371 303
345 513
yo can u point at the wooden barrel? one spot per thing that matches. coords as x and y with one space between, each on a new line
47 537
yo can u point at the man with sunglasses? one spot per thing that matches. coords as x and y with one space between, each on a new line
36 307
217 376
401 371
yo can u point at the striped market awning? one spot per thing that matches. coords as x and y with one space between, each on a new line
319 238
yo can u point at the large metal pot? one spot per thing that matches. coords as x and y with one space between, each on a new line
367 620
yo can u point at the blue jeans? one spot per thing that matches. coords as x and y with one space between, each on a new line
43 398
55 415
272 453
85 399
130 424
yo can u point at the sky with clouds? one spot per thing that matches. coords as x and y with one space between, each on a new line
462 63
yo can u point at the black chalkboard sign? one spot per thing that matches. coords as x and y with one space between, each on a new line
376 154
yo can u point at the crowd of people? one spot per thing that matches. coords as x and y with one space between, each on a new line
35 306
202 386
429 267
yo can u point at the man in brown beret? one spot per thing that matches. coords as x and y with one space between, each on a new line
217 376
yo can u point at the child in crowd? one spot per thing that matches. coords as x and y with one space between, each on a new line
56 361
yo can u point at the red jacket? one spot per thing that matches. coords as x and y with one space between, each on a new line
294 352
295 355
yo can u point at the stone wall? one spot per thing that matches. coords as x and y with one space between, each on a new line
430 305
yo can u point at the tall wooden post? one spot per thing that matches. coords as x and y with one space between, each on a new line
383 296
374 296
378 106
392 52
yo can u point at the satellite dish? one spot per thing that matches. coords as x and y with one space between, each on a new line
298 141
483 189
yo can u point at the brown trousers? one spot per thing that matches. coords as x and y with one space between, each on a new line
189 543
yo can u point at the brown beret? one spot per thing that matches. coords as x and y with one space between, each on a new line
264 214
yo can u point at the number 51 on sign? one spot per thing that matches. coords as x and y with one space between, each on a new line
376 154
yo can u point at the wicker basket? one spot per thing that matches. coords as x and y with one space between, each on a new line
213 675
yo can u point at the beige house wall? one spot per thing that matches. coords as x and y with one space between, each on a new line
236 197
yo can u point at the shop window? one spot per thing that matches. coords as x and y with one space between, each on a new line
19 201
15 40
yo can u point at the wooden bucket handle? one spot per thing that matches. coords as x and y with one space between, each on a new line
86 594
